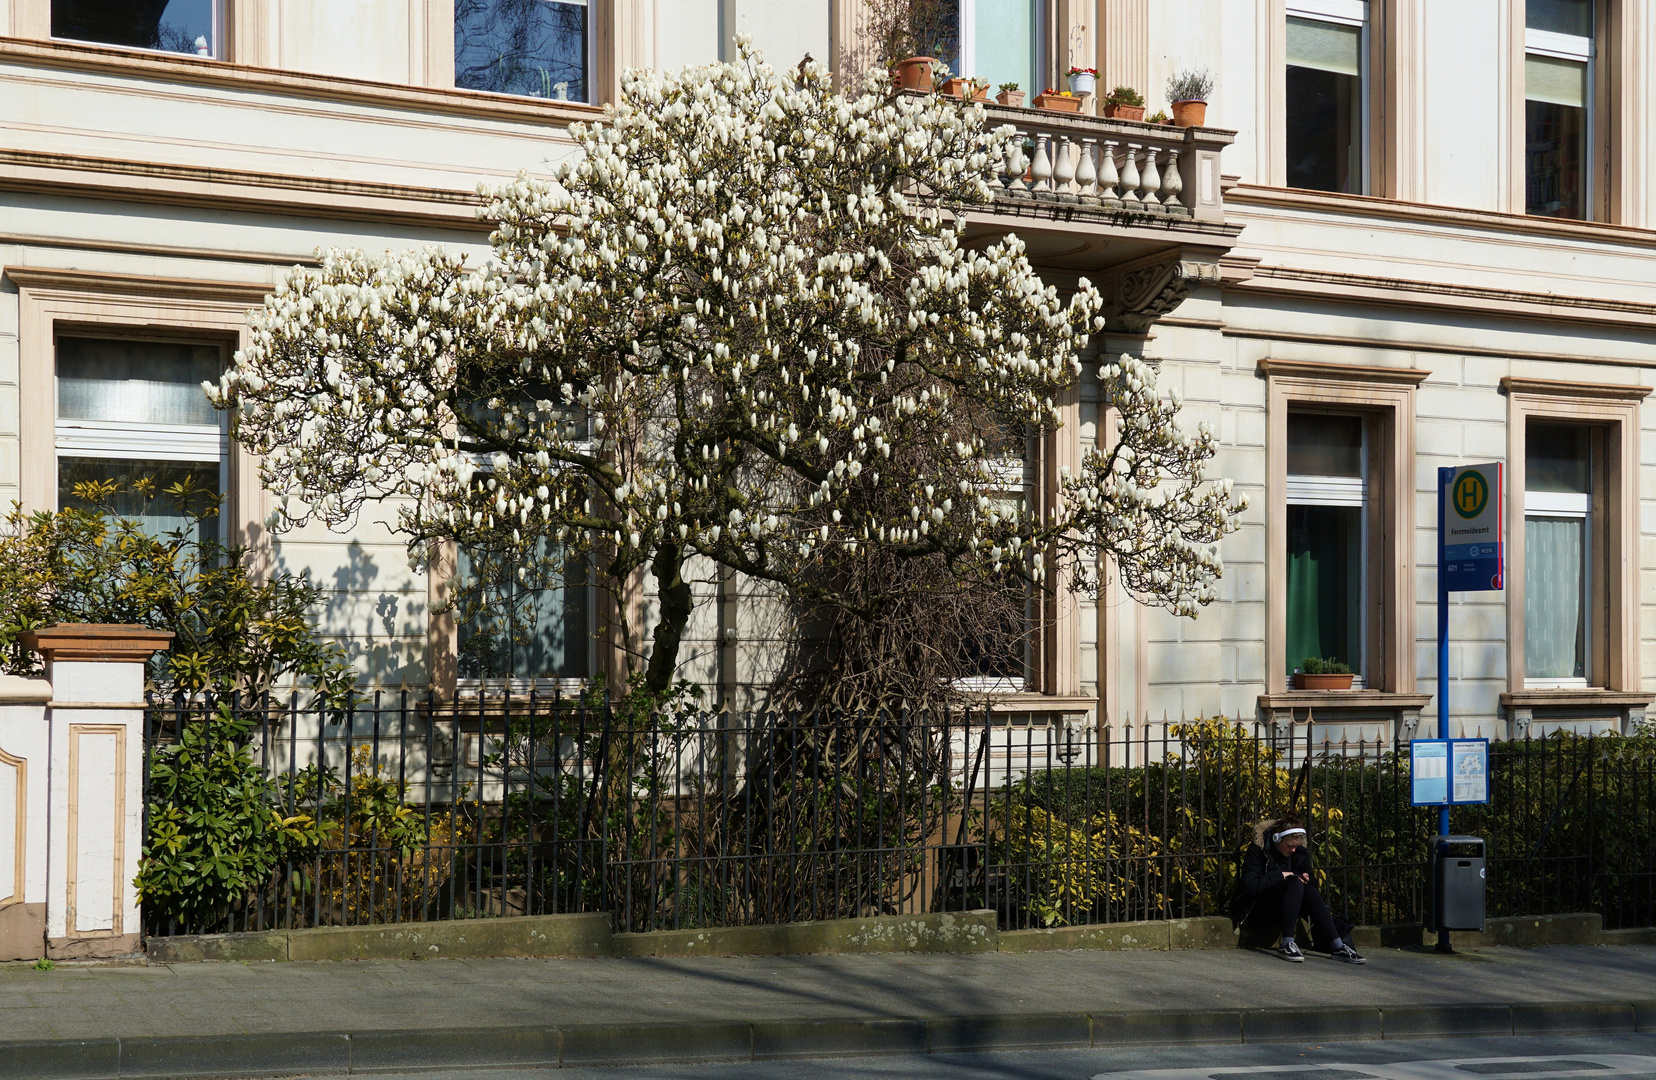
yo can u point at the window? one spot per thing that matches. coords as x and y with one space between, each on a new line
997 660
1000 42
533 48
1558 539
177 26
1327 538
516 629
1558 79
1327 86
130 409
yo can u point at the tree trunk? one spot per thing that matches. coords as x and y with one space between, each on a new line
676 603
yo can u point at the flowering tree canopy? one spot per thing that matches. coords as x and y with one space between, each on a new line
741 324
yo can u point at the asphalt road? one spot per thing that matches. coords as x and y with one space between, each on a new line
1584 1057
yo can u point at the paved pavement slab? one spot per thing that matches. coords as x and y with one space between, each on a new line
367 996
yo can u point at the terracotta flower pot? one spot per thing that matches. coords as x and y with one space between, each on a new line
1322 682
1124 112
1189 113
955 87
1013 98
915 73
1058 103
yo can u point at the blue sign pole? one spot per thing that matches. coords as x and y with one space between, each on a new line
1446 477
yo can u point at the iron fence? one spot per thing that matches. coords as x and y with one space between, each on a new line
422 809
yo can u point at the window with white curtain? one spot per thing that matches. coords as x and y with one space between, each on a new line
1327 83
1001 42
1558 114
1558 537
1328 502
132 410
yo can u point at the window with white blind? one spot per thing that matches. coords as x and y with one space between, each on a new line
132 409
1558 113
1328 512
1558 564
1327 83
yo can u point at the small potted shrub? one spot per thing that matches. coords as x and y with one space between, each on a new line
916 73
1057 102
1082 81
1318 673
1124 103
1010 93
1159 118
1188 91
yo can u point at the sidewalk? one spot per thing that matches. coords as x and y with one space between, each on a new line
185 1019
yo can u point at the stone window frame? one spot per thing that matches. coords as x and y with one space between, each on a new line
50 300
1614 681
1388 394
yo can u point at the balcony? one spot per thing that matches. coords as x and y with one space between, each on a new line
1137 208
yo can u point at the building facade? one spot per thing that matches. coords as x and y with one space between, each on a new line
1409 234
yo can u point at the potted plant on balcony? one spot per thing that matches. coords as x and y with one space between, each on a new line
917 73
1057 102
1082 81
971 89
1010 93
1317 673
1188 91
1158 118
1124 103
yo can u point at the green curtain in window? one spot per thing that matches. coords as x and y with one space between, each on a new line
1324 583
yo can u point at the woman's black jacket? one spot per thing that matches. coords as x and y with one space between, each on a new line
1262 870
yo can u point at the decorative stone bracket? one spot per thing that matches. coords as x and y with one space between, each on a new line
1137 296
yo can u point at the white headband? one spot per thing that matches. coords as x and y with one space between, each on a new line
1276 838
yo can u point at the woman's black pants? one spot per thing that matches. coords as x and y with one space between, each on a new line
1292 899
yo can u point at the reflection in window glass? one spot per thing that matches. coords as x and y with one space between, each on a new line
180 26
1556 458
1325 445
160 514
135 381
1325 101
533 48
1555 136
1574 17
520 630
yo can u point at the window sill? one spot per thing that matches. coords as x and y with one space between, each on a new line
1343 699
1576 698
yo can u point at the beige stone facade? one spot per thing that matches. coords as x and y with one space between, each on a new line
155 196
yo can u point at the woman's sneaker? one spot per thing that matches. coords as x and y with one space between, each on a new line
1290 951
1348 954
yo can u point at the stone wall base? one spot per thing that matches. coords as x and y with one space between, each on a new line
962 932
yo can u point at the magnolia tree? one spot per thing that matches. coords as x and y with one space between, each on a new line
740 324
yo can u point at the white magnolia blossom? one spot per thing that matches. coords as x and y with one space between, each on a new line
740 324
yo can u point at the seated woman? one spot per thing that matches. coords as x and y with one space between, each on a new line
1275 889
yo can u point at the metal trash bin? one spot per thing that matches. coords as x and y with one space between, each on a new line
1455 884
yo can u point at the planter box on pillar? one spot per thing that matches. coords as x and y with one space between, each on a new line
25 754
95 820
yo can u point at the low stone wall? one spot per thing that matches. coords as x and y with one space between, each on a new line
962 932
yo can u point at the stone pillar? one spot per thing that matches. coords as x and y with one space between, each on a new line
24 757
95 818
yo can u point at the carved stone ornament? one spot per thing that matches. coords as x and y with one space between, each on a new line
1144 294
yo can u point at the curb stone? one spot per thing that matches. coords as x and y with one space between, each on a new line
339 1053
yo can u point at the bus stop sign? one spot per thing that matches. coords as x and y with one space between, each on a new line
1473 555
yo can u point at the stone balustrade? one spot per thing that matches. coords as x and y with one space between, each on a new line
1117 166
